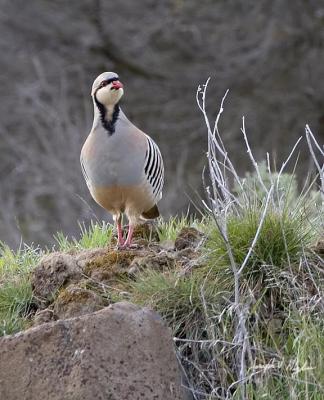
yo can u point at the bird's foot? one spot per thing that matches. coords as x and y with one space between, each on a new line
120 244
133 246
128 246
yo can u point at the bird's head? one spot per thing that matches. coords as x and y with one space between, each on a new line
107 89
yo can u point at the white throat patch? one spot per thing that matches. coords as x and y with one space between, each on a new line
108 96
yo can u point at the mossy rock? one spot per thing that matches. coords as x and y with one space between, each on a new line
54 271
74 301
112 266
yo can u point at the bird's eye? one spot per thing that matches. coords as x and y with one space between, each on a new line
103 83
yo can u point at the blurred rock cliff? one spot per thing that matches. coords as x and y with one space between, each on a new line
269 54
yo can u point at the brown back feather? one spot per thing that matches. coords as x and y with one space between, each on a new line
151 213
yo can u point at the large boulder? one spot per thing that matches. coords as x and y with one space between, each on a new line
120 352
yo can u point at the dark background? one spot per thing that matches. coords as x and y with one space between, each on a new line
268 53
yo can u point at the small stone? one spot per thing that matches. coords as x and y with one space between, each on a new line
167 244
188 237
319 247
43 316
156 262
84 257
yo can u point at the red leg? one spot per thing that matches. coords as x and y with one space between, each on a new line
120 242
129 236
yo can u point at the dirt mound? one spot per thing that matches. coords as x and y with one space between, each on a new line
71 284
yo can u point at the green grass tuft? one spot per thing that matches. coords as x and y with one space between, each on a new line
15 287
96 235
178 298
281 240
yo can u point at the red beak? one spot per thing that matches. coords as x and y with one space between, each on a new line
116 85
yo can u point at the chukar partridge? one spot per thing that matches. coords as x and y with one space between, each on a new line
122 166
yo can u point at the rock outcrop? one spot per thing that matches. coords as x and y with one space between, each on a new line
120 352
72 284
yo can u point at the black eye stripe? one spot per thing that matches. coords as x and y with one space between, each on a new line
107 81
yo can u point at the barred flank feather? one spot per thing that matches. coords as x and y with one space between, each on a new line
154 169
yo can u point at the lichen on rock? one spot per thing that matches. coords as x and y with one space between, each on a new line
74 301
111 266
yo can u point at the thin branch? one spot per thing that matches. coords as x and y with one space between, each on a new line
309 136
256 237
251 156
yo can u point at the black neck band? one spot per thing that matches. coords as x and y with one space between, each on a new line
109 125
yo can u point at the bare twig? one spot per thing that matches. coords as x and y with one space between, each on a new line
264 213
251 156
320 168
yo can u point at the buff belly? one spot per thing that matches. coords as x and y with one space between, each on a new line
133 200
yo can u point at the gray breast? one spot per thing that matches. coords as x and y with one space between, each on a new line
115 159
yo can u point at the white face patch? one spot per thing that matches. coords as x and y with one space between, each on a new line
108 96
